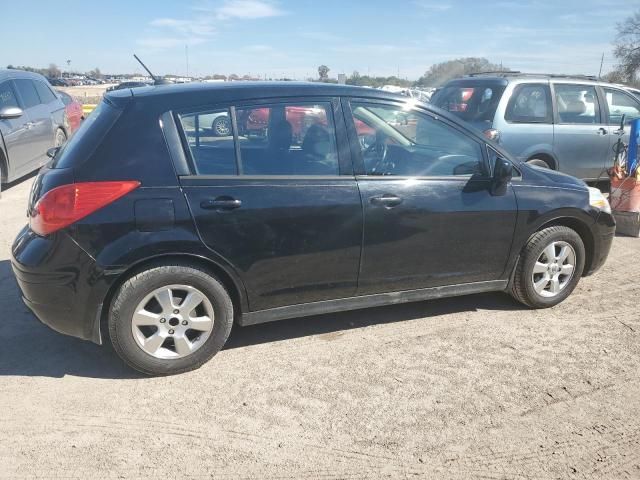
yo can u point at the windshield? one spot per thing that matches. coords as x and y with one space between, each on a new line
473 103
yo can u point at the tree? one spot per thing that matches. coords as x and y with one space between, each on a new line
53 71
95 73
627 47
440 73
323 73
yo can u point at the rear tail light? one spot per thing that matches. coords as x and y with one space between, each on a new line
62 206
492 134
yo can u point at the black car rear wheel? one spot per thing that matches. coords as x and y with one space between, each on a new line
549 267
170 319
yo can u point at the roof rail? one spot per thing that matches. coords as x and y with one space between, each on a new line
510 73
496 72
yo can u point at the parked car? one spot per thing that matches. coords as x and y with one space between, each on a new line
147 233
122 85
32 120
73 108
551 121
58 82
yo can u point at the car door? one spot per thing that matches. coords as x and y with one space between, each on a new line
277 198
15 132
619 103
429 217
581 133
40 125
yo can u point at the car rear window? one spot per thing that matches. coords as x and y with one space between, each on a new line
471 102
91 132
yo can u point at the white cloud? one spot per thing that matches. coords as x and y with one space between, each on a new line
247 9
165 33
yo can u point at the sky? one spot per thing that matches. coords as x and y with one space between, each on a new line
291 38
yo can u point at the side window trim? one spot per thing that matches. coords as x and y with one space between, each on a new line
356 152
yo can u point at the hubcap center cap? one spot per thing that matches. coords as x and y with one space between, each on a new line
554 269
174 322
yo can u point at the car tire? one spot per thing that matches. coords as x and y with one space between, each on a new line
542 277
151 345
537 162
221 126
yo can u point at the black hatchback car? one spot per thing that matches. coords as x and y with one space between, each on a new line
151 228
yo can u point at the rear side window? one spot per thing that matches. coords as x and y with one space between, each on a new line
577 104
66 98
287 139
471 102
530 104
27 91
44 92
91 132
7 97
210 139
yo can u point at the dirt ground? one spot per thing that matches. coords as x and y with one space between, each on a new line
474 387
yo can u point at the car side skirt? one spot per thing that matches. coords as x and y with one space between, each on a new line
366 301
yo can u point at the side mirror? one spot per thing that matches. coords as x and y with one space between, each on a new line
7 113
502 174
52 152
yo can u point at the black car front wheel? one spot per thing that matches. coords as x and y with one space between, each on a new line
549 267
170 319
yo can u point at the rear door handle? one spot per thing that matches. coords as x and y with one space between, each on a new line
387 200
602 131
221 203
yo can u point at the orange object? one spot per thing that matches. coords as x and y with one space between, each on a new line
625 194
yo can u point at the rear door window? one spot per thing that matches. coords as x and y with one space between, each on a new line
209 136
7 96
577 104
620 104
287 139
471 102
27 91
44 92
530 103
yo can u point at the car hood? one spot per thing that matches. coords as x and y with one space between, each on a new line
546 176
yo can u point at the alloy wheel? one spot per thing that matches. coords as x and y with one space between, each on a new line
172 321
554 269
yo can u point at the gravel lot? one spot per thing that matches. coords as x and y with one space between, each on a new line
473 387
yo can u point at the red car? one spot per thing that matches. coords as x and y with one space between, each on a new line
73 108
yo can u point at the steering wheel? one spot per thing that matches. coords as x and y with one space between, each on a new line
378 150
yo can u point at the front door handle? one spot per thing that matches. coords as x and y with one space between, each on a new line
221 203
602 131
387 200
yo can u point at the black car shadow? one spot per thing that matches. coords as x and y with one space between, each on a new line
29 348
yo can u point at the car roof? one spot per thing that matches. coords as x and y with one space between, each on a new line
9 73
186 94
517 77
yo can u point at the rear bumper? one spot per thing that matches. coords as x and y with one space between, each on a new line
60 283
604 231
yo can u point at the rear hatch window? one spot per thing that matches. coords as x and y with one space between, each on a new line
91 132
471 102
